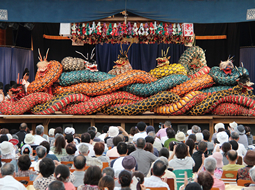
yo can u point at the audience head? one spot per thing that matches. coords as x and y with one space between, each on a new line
7 169
4 131
122 148
191 145
249 158
3 138
193 186
148 147
219 159
202 146
108 171
23 126
116 140
140 179
133 131
26 149
199 137
83 148
234 144
69 131
152 134
92 175
79 162
39 130
140 143
149 139
51 132
125 178
221 129
85 137
240 129
59 144
99 148
58 130
171 145
106 181
206 134
235 135
150 128
195 129
129 163
247 130
193 137
56 185
167 124
46 144
141 126
62 173
93 129
222 137
205 179
226 146
181 151
210 164
46 167
232 155
29 138
180 136
71 149
170 133
159 168
252 173
105 128
92 134
130 148
41 151
164 152
69 138
219 126
24 162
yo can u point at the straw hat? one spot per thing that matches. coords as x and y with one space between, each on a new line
29 138
180 136
113 131
6 148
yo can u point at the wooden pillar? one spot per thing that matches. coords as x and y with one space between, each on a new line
46 127
33 127
123 125
211 127
92 122
2 37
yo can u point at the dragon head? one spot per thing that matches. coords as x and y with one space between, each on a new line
244 81
17 91
164 60
43 64
122 57
227 66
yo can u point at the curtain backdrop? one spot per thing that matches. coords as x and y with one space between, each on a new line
14 61
247 56
141 56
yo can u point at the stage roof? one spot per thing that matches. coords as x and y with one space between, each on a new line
179 11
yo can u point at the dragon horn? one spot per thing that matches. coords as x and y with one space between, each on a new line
40 56
242 67
121 51
129 47
45 58
238 70
81 54
162 54
167 51
92 55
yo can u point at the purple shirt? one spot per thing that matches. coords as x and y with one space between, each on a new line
161 133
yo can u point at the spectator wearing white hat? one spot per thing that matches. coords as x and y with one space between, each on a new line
232 126
221 138
7 150
216 128
242 137
112 132
180 136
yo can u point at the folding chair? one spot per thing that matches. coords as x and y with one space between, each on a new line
105 165
67 163
113 158
157 188
6 160
170 182
180 176
242 182
215 188
229 177
24 180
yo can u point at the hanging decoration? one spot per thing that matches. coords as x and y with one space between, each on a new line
144 33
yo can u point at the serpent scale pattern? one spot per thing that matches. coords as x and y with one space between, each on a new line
204 70
142 106
40 84
216 89
108 86
227 109
182 106
98 103
227 80
24 104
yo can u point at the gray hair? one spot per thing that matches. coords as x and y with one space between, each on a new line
7 169
164 159
39 129
41 151
196 129
252 173
199 136
210 164
83 148
23 126
152 133
234 135
108 171
56 185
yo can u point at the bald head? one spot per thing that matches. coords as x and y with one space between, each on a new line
232 155
23 126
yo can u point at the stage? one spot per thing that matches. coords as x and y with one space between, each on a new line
148 117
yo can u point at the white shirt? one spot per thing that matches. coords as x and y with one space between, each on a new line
155 181
38 139
102 136
25 83
241 150
8 182
117 165
139 135
91 149
1 97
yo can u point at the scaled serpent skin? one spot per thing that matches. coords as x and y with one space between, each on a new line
198 83
73 64
204 70
142 106
166 70
236 99
96 104
182 106
108 86
203 107
214 89
24 104
40 84
226 109
227 80
59 103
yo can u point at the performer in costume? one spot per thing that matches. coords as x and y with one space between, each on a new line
8 92
1 92
25 77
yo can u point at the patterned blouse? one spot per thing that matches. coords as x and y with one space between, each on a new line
28 173
243 173
43 183
88 187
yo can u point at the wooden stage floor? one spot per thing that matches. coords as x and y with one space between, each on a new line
148 117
